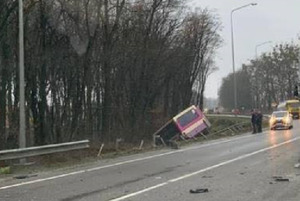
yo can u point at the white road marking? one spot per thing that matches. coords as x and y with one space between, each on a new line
203 170
122 163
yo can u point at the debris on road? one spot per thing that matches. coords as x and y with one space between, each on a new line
21 177
199 190
25 176
297 165
280 178
205 176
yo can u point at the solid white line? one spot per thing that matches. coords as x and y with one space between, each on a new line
122 163
203 170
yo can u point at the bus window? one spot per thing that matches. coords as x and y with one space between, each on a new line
187 118
191 122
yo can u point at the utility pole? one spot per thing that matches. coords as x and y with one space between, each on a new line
22 126
232 53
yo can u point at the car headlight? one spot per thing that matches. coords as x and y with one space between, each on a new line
285 120
272 120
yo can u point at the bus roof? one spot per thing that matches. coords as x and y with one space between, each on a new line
289 101
293 101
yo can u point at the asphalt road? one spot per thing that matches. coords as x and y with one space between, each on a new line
242 168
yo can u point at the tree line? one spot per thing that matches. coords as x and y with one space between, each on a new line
266 80
102 69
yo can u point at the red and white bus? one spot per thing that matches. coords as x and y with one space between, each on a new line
191 122
188 123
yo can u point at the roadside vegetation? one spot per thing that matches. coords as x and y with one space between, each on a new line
265 81
102 70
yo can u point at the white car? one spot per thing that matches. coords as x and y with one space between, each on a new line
281 119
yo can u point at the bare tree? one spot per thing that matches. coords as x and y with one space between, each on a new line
272 77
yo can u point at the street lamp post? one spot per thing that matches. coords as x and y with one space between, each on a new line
261 44
22 126
232 49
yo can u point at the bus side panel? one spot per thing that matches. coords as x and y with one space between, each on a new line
195 129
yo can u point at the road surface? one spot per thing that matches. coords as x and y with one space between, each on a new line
242 168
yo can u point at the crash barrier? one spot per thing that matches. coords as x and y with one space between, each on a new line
41 150
228 115
234 129
232 115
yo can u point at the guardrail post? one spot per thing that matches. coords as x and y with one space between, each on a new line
141 145
100 150
154 141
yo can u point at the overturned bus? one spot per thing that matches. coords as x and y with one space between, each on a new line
187 124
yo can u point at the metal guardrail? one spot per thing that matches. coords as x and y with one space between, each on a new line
40 150
236 127
232 115
228 115
233 128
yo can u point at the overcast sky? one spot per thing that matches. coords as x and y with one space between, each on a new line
270 20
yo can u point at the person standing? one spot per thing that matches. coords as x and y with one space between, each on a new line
253 121
259 118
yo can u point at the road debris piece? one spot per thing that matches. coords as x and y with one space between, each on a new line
207 176
280 178
21 177
25 176
297 165
199 190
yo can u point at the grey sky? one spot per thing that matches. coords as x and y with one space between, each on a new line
270 20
